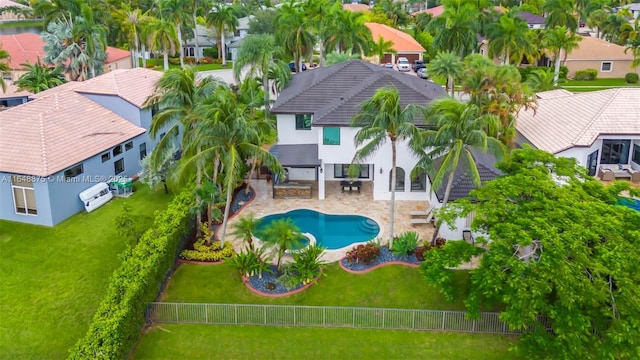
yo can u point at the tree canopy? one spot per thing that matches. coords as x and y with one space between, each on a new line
561 259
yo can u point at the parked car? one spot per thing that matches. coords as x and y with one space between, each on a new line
292 66
417 65
388 65
403 64
422 73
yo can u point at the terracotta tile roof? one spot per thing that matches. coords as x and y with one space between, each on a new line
592 48
551 94
8 3
402 41
133 85
53 133
438 10
12 91
356 7
563 122
29 47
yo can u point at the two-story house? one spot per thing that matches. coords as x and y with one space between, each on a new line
66 139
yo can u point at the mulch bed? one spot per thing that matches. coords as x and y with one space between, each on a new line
385 258
259 286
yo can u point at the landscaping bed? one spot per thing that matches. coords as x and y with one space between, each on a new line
386 257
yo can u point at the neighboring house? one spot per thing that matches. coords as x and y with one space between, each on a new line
315 139
596 128
29 47
609 59
403 44
534 21
66 139
634 9
234 42
9 15
204 41
13 97
356 7
438 10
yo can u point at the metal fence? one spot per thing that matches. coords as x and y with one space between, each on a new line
325 316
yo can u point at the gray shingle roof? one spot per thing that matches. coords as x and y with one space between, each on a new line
334 94
530 18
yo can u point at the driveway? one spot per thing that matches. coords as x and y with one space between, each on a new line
225 75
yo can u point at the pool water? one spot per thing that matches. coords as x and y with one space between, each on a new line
331 231
630 203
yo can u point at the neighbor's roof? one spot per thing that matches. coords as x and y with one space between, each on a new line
356 7
132 85
463 180
402 42
28 47
563 122
553 94
438 10
50 134
8 3
334 94
530 18
592 48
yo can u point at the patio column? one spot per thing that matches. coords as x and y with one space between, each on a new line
321 171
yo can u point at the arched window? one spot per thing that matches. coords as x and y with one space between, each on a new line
419 184
399 179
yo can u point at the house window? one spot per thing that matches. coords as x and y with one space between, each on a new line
615 151
303 121
419 184
24 197
117 150
6 75
342 171
331 136
606 66
143 150
154 110
399 179
128 146
118 166
105 157
74 171
636 154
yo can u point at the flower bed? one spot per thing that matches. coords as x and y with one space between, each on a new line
385 257
262 287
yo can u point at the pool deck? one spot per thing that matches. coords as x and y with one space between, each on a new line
336 202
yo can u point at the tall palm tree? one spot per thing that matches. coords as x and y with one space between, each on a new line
558 40
176 11
508 37
56 10
456 29
162 35
560 13
246 228
293 30
447 65
381 47
282 235
4 58
91 37
348 32
222 18
453 129
381 119
130 21
596 18
321 14
39 77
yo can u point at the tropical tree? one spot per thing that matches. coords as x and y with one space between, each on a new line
380 119
395 12
293 31
508 37
336 58
560 13
162 35
130 21
56 10
4 58
612 25
348 32
157 169
557 40
281 235
381 47
596 19
177 12
246 228
222 18
91 37
540 80
447 65
456 29
453 129
39 77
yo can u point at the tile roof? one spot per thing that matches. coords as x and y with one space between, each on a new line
563 122
8 3
553 94
401 40
356 7
530 18
133 85
438 10
334 94
592 48
53 133
463 181
29 47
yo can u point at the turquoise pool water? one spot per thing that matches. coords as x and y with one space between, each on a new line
630 203
331 231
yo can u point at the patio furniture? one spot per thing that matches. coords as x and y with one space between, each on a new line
613 172
635 175
422 217
350 185
467 237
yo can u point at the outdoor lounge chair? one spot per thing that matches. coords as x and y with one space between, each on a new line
421 217
467 237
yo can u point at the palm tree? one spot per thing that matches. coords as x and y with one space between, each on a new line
92 39
246 228
457 28
447 65
130 21
282 235
4 58
560 13
348 32
540 80
222 17
176 11
293 30
508 37
56 10
381 47
322 16
557 40
162 36
381 119
453 129
596 19
39 77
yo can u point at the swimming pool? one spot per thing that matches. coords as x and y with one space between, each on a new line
630 203
331 231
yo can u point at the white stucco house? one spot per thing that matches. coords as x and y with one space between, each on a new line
598 129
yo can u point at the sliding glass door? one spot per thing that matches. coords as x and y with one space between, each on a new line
615 151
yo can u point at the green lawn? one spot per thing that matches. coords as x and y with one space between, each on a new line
257 342
25 23
158 65
598 82
52 278
390 287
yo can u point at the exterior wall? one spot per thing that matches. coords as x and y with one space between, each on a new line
581 153
618 70
41 192
125 63
287 133
308 174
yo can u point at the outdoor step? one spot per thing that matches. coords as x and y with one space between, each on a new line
369 225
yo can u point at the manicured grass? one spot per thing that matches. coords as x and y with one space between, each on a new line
246 342
52 278
158 65
391 287
599 82
25 23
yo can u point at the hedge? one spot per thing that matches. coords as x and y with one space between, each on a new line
116 325
631 78
586 75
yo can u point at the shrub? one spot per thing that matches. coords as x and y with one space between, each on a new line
365 254
210 52
631 78
206 60
174 61
190 60
564 71
406 243
586 75
115 327
306 266
250 263
420 251
440 242
213 252
525 71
